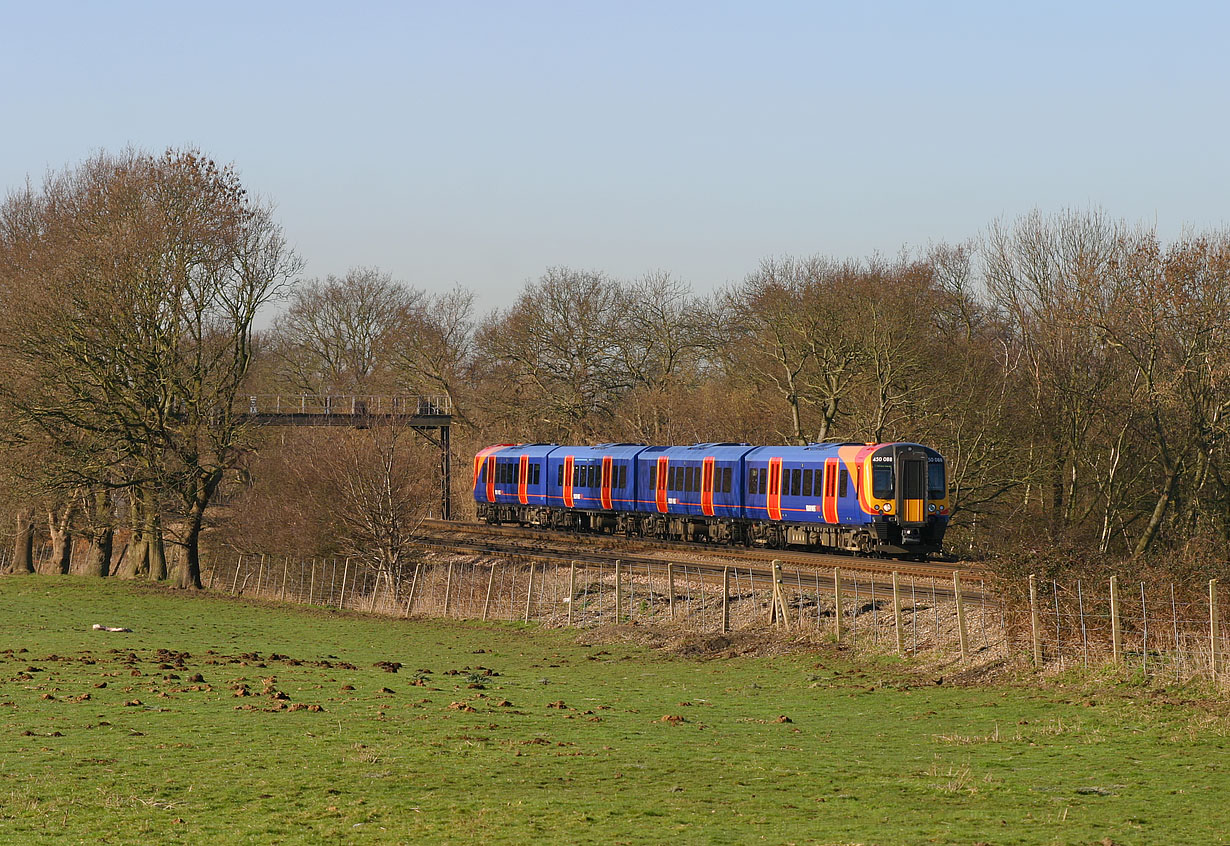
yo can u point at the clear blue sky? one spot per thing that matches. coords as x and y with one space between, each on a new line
479 143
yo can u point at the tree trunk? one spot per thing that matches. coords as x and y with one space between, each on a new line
186 558
134 560
152 536
1159 509
23 546
61 543
97 558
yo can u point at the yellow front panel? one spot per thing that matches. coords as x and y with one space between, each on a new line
913 511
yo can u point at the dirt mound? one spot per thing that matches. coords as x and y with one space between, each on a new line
705 645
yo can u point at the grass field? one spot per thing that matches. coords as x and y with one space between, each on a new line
499 734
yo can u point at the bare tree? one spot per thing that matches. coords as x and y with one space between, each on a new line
554 355
129 287
342 335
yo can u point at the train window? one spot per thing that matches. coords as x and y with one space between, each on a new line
753 479
844 484
621 475
764 480
594 481
577 470
936 489
560 482
678 480
796 484
807 483
882 481
726 475
817 487
653 476
689 479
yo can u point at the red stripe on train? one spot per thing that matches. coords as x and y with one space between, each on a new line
775 489
568 464
706 486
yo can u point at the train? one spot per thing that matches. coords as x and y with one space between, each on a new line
887 499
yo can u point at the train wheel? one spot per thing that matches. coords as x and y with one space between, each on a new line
866 547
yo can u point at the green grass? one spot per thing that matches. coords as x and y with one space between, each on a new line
872 753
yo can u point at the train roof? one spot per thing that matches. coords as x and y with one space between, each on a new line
518 450
599 451
696 452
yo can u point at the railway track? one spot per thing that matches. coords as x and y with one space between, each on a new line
708 560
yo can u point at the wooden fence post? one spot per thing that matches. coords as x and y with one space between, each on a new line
837 602
311 581
341 601
670 588
490 585
1214 631
1034 622
779 598
725 599
897 614
618 579
260 573
1115 635
235 581
285 568
572 588
529 593
961 632
414 583
448 589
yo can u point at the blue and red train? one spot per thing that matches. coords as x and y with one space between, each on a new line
867 498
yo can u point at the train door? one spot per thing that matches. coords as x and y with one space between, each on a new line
523 474
830 490
660 481
912 485
607 466
706 486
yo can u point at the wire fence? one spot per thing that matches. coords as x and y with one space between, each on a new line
1166 630
922 617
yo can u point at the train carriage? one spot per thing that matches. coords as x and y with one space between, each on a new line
511 481
694 492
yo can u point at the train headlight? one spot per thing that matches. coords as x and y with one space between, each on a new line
931 507
876 507
888 508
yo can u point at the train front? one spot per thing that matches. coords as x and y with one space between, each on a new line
907 499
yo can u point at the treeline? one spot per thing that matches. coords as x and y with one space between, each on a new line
1073 369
